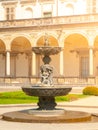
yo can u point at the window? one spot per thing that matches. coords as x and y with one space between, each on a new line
28 13
10 13
47 14
84 66
69 9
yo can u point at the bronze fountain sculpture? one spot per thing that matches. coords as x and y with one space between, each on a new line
47 90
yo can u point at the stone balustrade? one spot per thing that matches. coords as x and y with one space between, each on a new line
60 20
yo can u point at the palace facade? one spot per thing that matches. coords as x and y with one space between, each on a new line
70 24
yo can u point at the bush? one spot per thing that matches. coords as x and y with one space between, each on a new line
90 90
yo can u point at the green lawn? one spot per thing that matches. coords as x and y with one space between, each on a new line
19 97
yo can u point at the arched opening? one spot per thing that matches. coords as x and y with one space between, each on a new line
21 57
76 56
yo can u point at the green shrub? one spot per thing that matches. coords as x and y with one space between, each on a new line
90 90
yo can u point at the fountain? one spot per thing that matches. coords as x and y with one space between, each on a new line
46 90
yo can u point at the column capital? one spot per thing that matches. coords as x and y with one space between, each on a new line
91 47
8 51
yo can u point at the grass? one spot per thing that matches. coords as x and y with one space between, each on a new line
16 97
70 97
19 97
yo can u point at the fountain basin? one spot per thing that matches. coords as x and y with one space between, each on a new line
54 116
47 50
46 95
46 91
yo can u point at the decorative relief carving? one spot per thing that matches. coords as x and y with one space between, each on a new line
42 1
27 1
91 32
7 37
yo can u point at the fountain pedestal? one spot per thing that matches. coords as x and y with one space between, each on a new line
46 103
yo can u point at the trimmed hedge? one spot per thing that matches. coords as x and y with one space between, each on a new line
90 90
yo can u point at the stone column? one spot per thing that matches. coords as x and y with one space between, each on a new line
8 63
33 64
91 62
61 63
